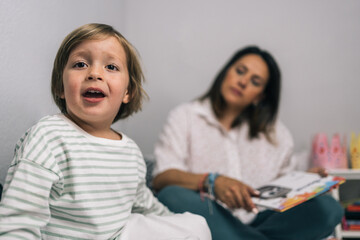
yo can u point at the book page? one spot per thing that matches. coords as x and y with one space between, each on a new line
293 189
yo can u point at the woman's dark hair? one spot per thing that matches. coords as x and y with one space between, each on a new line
261 117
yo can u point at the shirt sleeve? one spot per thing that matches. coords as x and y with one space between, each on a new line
25 205
171 150
24 208
288 162
145 202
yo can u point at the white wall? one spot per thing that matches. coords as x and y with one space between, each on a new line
183 44
316 43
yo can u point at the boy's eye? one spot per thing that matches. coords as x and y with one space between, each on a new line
112 67
80 65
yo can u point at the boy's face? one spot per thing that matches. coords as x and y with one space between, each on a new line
95 81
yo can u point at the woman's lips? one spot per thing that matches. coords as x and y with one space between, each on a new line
236 91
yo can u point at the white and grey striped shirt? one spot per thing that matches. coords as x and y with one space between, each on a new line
64 183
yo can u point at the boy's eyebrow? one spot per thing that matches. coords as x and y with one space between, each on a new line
79 53
113 57
84 53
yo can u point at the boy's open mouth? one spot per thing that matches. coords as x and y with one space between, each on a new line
93 93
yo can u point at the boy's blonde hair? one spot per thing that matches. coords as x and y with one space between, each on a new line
96 31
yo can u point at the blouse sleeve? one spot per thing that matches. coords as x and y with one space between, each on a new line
171 149
288 162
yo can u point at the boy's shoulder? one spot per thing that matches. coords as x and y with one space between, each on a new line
46 123
51 119
36 139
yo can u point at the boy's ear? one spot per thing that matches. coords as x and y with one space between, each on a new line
127 97
62 95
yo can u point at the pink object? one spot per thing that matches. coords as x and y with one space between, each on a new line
329 157
320 150
338 152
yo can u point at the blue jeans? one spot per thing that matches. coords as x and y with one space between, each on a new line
312 220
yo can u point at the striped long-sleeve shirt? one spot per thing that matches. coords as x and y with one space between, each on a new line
64 183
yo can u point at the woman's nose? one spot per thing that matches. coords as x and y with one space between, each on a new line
243 81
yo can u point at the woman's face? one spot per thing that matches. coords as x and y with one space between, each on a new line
245 81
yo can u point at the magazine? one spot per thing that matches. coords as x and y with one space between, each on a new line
294 188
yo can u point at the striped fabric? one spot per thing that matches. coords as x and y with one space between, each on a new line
64 183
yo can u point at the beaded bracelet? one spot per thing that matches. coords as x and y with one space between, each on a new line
211 183
201 185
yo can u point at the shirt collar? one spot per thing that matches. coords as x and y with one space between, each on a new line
204 109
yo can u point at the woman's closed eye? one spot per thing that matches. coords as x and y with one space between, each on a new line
256 81
240 71
112 67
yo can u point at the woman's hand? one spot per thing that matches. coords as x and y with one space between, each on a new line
319 170
235 194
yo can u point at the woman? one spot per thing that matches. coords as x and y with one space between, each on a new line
228 143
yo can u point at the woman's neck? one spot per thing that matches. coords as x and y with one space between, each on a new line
228 117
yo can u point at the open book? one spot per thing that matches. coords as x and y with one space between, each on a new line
294 188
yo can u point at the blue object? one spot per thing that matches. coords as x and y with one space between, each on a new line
314 219
211 178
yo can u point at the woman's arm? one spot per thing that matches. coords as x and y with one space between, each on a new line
177 177
233 193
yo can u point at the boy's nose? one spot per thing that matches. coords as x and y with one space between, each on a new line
94 77
94 74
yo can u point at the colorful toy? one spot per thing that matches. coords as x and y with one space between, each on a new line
329 157
355 151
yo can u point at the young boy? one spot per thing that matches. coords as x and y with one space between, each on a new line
73 176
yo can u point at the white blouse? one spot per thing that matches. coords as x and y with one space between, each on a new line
193 140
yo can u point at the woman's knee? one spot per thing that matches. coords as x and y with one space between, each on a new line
337 211
331 210
173 193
